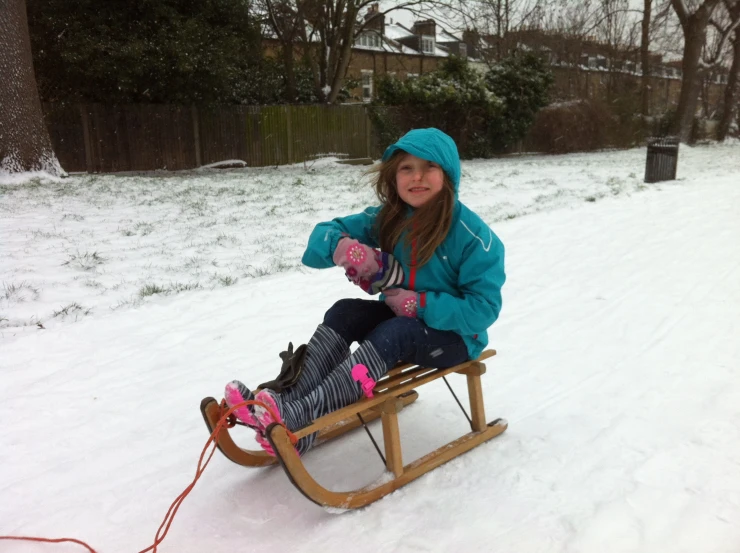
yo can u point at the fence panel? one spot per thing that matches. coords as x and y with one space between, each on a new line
99 138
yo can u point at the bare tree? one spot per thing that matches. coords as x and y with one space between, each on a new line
325 31
24 139
731 96
645 56
499 21
694 25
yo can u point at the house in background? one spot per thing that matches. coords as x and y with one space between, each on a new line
388 48
586 68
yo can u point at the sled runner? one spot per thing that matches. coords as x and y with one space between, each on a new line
391 394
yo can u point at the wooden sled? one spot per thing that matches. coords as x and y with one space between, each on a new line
391 394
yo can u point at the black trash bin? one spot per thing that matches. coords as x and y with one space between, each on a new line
662 159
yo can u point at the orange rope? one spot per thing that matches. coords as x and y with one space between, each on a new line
49 540
226 420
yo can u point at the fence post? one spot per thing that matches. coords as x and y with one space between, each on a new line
289 111
196 134
86 136
368 137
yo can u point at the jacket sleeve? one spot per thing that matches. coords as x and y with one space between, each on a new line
479 282
324 238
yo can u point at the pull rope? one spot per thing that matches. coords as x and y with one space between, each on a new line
49 540
227 419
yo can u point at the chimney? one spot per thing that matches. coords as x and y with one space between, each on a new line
427 27
374 20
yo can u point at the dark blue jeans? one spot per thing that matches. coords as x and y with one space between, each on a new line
395 338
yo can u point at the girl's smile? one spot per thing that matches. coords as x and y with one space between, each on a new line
418 180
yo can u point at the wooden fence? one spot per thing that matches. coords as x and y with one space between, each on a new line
102 139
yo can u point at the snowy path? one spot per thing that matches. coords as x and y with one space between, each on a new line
618 370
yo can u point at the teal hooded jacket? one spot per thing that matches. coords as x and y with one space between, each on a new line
460 287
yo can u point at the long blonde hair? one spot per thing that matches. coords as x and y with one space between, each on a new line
428 225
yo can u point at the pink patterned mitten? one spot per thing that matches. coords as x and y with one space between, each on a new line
403 302
357 259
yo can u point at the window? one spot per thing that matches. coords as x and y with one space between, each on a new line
463 50
367 85
427 44
370 39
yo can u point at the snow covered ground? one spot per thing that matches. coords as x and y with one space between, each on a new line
618 366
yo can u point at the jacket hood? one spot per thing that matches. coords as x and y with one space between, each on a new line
432 145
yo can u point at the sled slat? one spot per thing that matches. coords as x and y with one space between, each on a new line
211 411
417 379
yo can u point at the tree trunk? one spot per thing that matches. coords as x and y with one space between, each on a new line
24 139
289 65
731 90
694 35
694 27
645 58
345 53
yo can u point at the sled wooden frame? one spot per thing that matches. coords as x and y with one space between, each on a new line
391 394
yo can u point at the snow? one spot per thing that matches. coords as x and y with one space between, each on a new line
617 368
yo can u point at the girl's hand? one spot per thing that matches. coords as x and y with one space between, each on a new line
403 302
358 260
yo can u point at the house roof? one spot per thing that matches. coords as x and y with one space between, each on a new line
397 31
446 36
393 34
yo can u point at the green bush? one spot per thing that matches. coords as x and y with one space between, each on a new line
454 99
523 83
163 51
482 113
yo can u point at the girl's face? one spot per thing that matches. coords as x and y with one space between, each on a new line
418 180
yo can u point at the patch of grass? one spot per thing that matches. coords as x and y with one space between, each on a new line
143 228
66 188
223 239
590 198
73 217
250 271
193 262
199 207
225 280
615 184
177 287
124 303
171 288
184 192
19 292
73 308
85 261
43 234
150 290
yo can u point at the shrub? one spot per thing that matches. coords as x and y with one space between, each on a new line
482 113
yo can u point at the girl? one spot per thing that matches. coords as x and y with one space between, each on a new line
442 288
